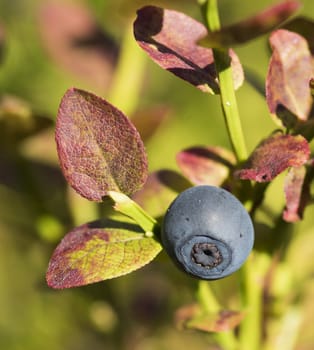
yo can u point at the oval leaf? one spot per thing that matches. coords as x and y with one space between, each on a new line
297 194
206 165
290 70
170 39
273 156
252 27
98 251
99 148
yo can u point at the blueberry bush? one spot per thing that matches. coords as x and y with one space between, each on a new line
233 219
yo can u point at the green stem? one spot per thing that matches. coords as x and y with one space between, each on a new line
227 94
128 207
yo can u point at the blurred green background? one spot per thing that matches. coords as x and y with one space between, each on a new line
38 63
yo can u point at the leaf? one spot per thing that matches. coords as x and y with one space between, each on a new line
297 194
192 317
253 27
170 39
206 165
98 251
289 73
273 156
160 189
77 43
99 148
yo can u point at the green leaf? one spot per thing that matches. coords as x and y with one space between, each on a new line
99 148
98 251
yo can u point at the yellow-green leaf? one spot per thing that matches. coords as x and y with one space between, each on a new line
98 251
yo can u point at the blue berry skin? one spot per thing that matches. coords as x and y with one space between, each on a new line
207 232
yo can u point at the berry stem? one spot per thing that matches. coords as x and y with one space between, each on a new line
128 207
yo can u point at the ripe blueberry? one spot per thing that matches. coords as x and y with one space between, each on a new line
207 232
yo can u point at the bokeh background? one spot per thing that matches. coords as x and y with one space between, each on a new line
47 47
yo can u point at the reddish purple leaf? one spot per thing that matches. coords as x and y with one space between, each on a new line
75 41
206 165
170 39
289 73
99 148
273 156
252 27
297 194
98 251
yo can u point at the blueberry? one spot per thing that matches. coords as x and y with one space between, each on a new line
207 232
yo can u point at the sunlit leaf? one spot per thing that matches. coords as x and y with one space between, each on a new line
206 165
297 194
76 42
98 147
98 251
252 27
160 190
192 317
273 156
170 39
289 73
